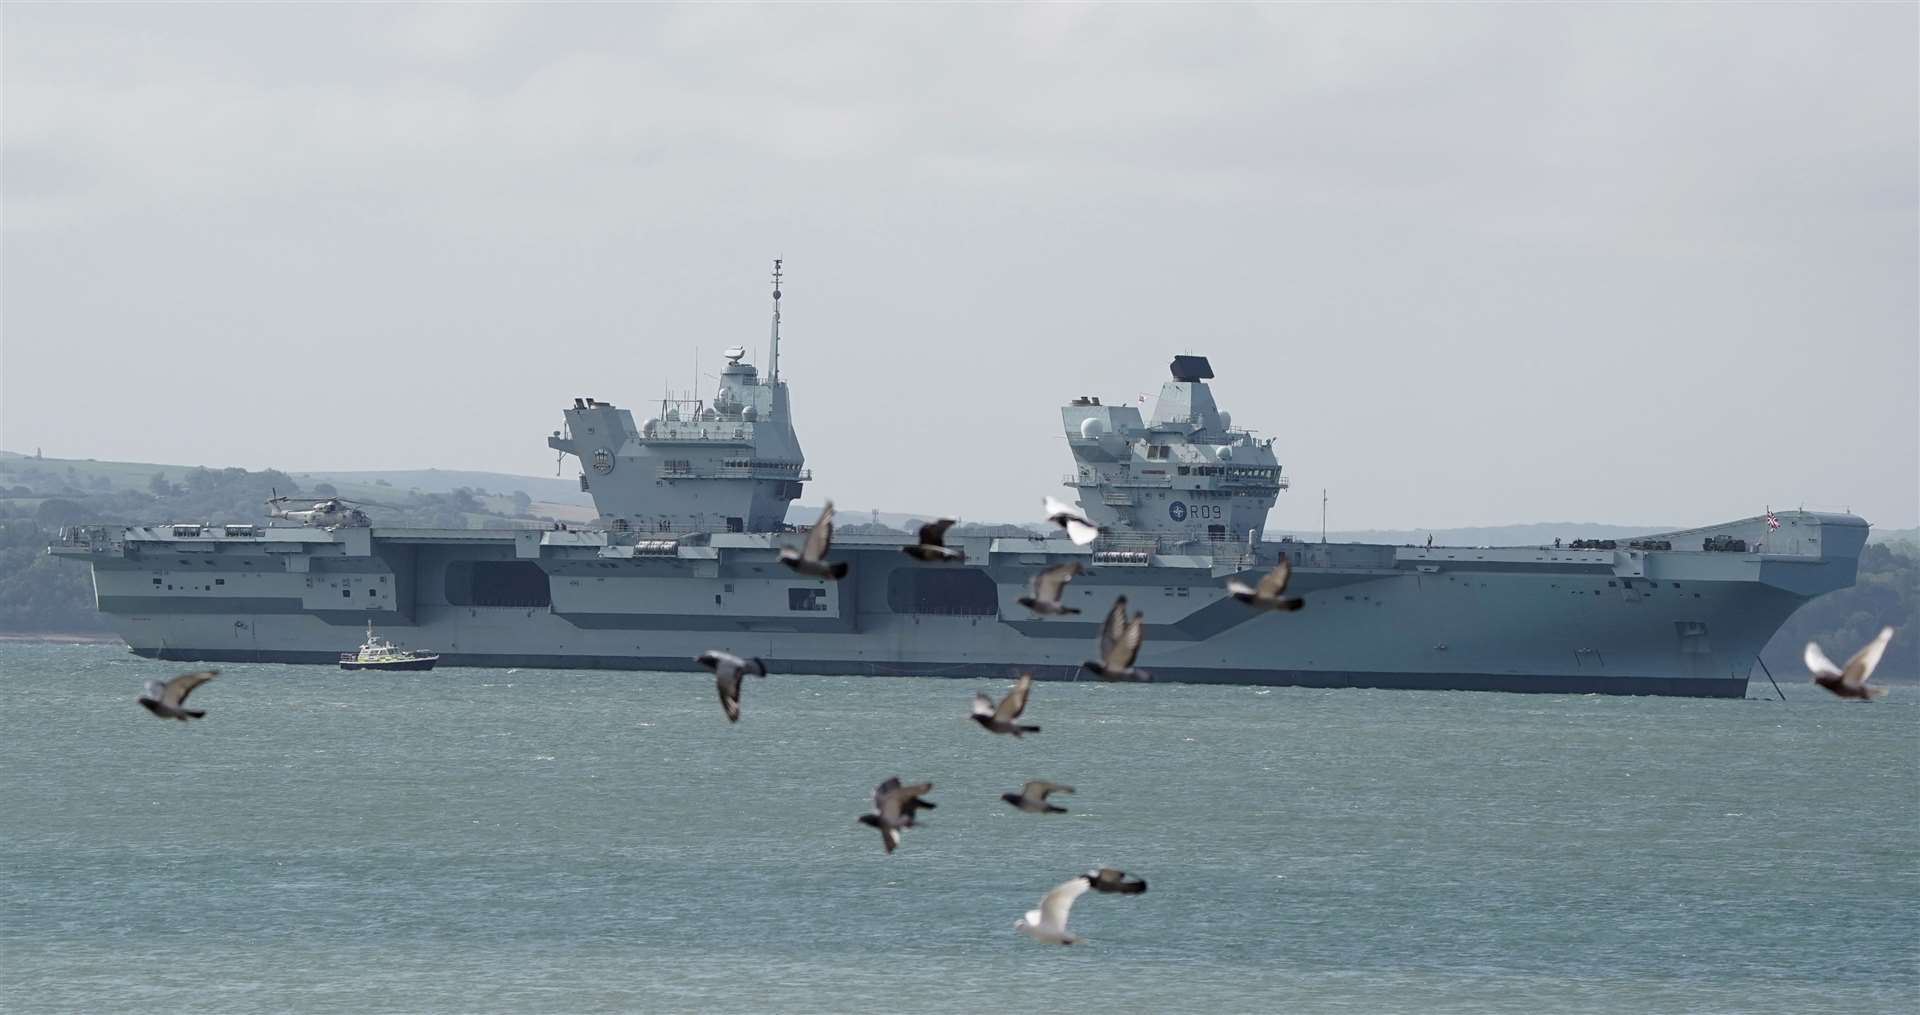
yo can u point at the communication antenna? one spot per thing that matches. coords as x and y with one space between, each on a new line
1323 516
773 352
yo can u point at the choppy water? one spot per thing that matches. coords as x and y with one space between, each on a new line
484 840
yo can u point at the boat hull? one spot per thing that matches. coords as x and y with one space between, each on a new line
1518 683
419 663
1524 619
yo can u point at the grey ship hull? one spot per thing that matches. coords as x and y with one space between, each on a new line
1530 619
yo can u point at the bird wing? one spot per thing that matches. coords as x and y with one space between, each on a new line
1081 531
1113 627
891 805
710 659
1239 588
1112 879
1048 583
820 537
932 533
1039 788
1055 905
728 684
1275 581
1126 647
1016 700
1861 666
179 687
881 792
1058 509
982 705
1818 662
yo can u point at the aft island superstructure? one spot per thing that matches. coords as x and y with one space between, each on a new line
692 503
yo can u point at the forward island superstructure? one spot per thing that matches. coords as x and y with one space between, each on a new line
692 503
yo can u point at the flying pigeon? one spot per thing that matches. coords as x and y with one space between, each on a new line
1850 682
1079 527
894 806
1032 797
1043 591
1049 922
930 548
1107 879
1119 645
167 699
1269 596
728 669
1000 718
811 558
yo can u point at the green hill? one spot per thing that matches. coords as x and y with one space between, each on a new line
39 495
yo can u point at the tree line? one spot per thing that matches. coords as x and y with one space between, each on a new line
40 593
44 594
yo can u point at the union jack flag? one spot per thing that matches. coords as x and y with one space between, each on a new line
1773 521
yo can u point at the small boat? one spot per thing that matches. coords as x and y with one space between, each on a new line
377 654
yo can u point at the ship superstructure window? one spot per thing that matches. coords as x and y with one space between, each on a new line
497 583
965 592
807 600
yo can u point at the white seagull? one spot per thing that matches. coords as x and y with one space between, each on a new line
1049 922
1850 682
1079 527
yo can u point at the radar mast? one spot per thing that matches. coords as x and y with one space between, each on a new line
773 353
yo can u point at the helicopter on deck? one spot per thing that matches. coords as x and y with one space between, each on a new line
331 513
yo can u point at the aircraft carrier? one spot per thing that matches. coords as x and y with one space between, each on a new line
692 509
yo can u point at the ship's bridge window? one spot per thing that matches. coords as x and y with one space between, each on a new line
806 600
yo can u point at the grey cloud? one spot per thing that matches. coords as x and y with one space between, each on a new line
1472 264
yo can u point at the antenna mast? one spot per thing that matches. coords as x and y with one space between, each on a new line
773 353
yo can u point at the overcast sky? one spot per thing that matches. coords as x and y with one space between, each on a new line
1470 264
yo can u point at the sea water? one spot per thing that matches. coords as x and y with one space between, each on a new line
548 840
